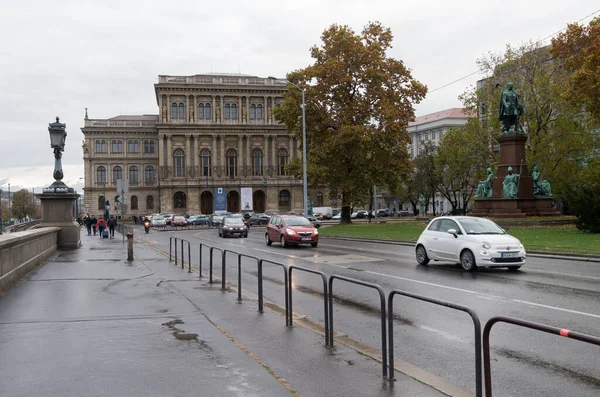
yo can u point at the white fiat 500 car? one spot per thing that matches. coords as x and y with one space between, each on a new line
470 241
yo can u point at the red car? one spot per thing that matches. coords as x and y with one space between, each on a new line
291 229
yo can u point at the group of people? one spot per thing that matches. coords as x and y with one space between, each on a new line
93 224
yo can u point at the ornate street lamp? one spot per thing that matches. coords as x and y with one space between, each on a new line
58 135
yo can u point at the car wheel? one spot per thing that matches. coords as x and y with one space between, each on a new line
513 268
314 245
220 234
467 261
267 239
422 258
282 241
246 235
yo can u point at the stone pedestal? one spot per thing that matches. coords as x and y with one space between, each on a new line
58 210
512 154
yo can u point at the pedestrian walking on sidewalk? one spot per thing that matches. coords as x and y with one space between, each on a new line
88 224
112 222
93 223
101 225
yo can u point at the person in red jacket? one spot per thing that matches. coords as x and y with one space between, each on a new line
101 225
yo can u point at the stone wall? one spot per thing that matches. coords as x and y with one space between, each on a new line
22 251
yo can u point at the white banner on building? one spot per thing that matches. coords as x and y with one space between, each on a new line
247 199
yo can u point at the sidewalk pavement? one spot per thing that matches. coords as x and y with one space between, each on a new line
89 323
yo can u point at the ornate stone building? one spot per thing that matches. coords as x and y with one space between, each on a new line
214 143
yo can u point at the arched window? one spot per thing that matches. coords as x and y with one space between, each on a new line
234 111
101 175
178 163
133 174
174 111
252 112
179 200
101 146
117 174
257 162
101 203
231 168
207 114
149 202
259 112
284 200
181 111
282 160
117 146
227 114
319 199
149 177
134 202
205 162
133 146
200 111
148 146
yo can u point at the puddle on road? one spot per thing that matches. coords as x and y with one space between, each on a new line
180 334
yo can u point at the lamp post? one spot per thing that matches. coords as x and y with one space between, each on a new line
58 135
305 185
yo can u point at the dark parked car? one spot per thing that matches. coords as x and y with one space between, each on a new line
232 226
291 229
198 220
259 219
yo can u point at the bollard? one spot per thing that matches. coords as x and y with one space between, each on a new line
129 247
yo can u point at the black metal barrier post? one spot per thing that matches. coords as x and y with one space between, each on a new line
210 272
383 326
183 255
240 256
476 324
200 258
260 288
326 314
527 324
171 245
223 265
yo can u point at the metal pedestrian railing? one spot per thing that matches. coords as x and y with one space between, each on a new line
474 317
382 311
260 285
173 244
290 322
526 324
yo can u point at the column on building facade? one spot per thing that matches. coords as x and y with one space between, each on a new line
170 154
222 111
266 151
214 112
248 159
213 151
239 113
168 107
188 154
273 151
222 151
266 108
195 157
240 153
161 151
195 109
160 108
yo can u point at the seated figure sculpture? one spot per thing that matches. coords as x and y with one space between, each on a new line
541 187
484 189
511 184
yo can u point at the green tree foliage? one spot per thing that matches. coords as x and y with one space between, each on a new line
22 204
426 175
584 203
560 137
461 160
358 105
578 48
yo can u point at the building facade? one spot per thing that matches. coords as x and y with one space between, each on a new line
213 147
431 128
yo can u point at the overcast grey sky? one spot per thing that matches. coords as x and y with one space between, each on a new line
58 57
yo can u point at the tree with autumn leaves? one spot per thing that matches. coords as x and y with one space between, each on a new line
358 105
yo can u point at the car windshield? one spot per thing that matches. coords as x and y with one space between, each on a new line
234 221
480 226
297 221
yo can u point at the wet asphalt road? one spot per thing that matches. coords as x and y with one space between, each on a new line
556 292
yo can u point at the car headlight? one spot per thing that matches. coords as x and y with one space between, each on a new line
291 232
226 227
316 231
486 245
521 246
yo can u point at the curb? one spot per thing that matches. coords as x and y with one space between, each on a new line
534 254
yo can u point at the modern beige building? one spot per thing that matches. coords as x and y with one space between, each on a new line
214 146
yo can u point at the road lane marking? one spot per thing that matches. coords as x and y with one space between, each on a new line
556 308
424 282
574 275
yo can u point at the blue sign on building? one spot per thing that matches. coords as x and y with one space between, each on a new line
220 200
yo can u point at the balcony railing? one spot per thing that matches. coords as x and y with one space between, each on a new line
120 123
